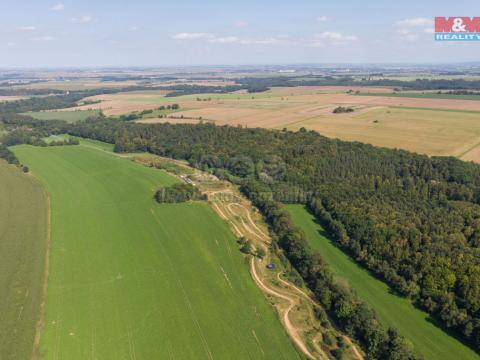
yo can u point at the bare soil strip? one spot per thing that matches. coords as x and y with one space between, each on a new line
291 330
41 319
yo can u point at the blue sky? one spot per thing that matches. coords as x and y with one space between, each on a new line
186 32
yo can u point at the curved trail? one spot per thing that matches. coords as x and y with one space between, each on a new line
308 298
253 229
286 320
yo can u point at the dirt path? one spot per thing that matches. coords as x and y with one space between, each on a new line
41 319
308 298
291 330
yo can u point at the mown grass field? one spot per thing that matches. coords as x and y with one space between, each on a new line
23 242
133 279
415 325
69 116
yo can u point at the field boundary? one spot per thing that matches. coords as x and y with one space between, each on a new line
41 319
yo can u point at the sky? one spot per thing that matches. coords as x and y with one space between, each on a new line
99 33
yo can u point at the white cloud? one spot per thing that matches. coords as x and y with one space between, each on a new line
322 18
415 22
43 38
58 7
330 38
403 31
336 36
27 28
193 36
241 24
225 40
84 19
265 41
214 39
411 29
133 28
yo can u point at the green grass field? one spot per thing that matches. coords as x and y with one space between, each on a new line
69 116
395 311
23 241
133 279
427 95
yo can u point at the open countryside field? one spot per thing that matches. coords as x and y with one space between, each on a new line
415 325
433 132
129 281
10 98
68 116
23 242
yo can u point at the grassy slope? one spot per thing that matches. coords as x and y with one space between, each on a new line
23 234
69 116
414 324
130 278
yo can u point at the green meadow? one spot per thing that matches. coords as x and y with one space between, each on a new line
23 242
132 279
415 325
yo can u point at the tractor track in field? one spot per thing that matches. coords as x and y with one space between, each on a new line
41 319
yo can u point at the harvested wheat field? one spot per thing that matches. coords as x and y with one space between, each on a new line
433 132
10 98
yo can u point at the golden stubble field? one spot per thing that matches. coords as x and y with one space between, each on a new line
427 126
10 98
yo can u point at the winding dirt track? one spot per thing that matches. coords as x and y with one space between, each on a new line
252 229
291 330
230 212
308 298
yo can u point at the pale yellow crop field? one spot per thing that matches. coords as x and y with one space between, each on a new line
432 132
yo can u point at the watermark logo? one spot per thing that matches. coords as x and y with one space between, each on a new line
458 28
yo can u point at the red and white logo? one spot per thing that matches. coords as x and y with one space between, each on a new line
457 28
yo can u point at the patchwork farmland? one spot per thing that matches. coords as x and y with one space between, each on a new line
127 280
421 123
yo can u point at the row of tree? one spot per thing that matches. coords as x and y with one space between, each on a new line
178 193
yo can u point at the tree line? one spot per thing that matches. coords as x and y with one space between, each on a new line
317 80
178 193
